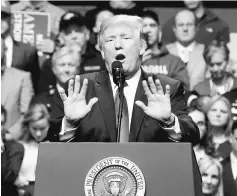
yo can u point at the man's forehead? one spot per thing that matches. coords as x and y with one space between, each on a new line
185 16
125 27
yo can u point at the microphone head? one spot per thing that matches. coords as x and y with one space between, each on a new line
117 64
118 73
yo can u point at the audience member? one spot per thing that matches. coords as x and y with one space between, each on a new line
19 55
44 6
94 18
157 60
16 93
230 166
185 47
210 26
72 31
232 97
216 55
219 124
35 127
205 147
65 65
128 7
211 172
12 154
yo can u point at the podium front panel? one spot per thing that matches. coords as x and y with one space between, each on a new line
169 169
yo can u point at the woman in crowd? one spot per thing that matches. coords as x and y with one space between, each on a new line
211 172
205 147
219 124
216 55
35 127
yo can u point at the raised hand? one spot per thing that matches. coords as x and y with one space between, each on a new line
75 106
159 106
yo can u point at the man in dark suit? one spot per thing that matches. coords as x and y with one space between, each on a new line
19 55
149 114
229 166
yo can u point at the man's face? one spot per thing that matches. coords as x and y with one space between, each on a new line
122 42
151 29
233 142
185 28
192 4
75 34
217 66
5 23
199 118
65 68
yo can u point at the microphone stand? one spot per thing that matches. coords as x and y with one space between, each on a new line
120 113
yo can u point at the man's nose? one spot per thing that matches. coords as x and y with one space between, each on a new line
38 133
118 44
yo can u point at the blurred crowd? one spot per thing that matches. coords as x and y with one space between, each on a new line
190 47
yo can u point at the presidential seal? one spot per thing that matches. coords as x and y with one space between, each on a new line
115 176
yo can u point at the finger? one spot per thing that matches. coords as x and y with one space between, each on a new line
152 85
77 85
141 105
92 101
159 87
167 91
84 87
62 94
70 88
146 88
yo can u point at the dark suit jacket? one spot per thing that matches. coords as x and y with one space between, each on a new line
100 124
25 57
230 186
11 159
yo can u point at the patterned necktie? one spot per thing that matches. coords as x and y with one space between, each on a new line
124 131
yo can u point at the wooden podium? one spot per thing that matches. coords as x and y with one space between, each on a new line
169 169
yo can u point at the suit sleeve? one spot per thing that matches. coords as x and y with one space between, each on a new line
11 161
34 69
27 93
189 129
180 73
224 33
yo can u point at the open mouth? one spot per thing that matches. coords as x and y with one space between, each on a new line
120 57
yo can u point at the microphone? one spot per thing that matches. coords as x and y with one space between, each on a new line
118 74
119 80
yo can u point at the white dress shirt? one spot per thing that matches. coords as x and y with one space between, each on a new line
184 52
129 93
9 50
233 162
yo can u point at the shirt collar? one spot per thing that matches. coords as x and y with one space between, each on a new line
188 48
233 158
131 83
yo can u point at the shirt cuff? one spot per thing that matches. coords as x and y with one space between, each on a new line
174 132
66 133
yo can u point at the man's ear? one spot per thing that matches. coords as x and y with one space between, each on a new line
87 33
143 46
102 53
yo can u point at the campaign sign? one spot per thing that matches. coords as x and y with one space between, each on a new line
30 27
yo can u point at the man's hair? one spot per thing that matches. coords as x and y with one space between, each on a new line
214 47
184 10
134 21
71 50
4 112
152 15
234 127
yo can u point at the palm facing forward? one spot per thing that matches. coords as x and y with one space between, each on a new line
159 106
75 106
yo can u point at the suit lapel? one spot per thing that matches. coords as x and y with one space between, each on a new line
57 99
105 95
138 114
17 55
